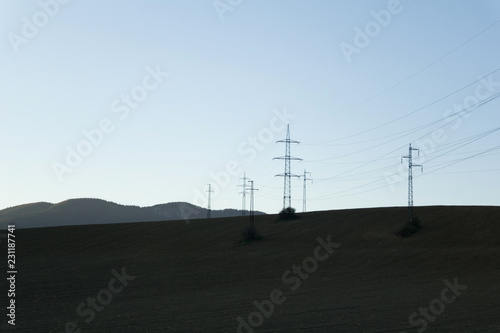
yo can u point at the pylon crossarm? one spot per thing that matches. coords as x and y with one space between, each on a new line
287 141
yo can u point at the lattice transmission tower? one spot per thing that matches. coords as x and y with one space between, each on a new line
304 192
210 191
410 179
252 204
288 170
244 193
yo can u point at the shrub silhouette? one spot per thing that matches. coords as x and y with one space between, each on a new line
250 234
410 228
288 214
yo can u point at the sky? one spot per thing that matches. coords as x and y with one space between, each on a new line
148 102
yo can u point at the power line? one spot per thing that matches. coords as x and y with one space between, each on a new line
450 118
397 182
468 171
407 114
463 143
408 77
467 158
355 177
460 115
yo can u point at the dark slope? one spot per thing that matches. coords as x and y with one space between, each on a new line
196 277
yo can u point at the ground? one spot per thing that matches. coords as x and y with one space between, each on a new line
199 277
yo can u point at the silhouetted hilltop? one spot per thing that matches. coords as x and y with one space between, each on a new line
97 211
17 211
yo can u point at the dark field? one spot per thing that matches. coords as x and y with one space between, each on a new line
197 277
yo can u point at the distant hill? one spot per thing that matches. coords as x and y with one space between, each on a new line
97 211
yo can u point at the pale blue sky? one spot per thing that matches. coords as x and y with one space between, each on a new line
227 79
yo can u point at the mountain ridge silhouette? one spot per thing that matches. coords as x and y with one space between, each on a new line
84 211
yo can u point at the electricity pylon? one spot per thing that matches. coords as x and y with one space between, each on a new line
209 200
244 192
288 172
252 207
304 193
410 179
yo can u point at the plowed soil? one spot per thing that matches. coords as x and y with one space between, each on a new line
200 277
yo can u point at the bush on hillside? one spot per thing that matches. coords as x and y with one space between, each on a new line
410 228
250 234
288 214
